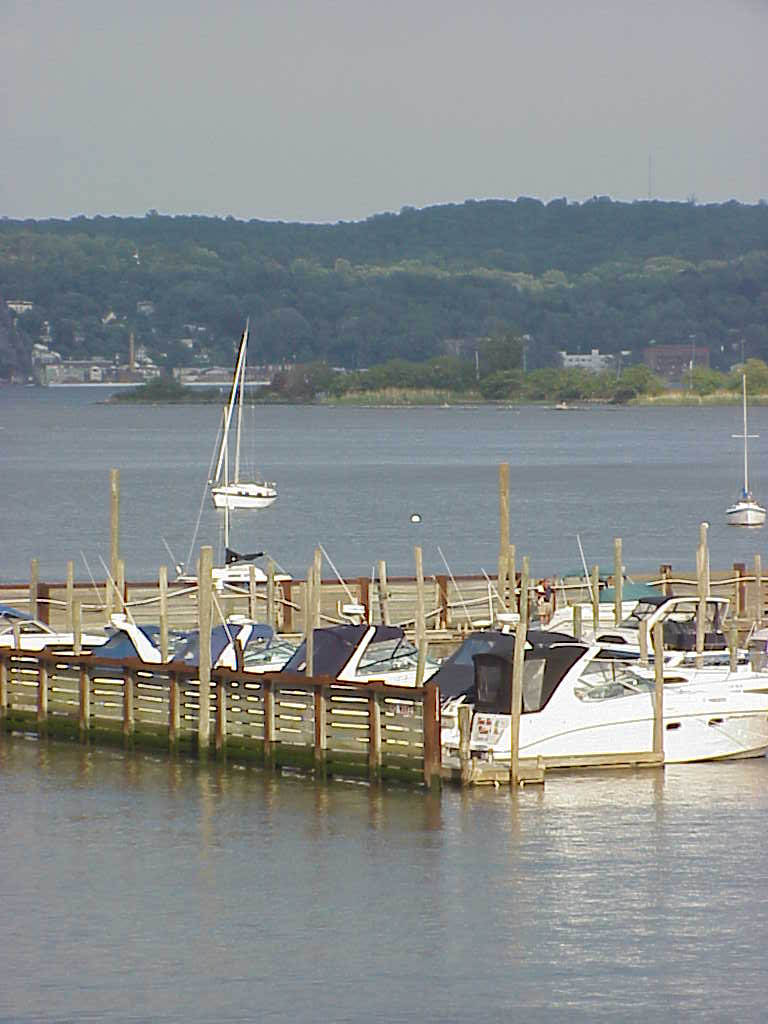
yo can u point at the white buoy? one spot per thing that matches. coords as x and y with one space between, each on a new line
415 517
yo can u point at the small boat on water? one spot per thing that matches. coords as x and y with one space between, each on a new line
746 511
237 493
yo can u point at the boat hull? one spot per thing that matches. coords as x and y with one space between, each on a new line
243 495
745 513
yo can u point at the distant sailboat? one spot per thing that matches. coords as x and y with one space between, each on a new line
237 493
746 511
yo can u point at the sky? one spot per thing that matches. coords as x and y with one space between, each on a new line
338 109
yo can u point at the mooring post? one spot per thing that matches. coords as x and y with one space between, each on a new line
34 584
77 626
114 538
267 689
129 683
309 625
642 633
174 710
758 590
204 622
739 570
525 582
658 703
271 609
702 581
431 726
252 592
383 593
3 684
321 729
421 627
162 581
577 621
70 596
42 696
374 737
518 660
85 701
317 588
618 581
733 648
120 595
465 732
503 534
665 574
594 588
221 717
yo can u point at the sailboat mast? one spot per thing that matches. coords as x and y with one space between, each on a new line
744 405
231 405
240 403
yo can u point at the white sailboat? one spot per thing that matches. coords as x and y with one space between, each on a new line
746 511
236 493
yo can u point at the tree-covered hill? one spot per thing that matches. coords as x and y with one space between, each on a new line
573 276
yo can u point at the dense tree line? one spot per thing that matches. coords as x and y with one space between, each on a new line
570 276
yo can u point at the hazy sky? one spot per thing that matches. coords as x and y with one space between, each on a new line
336 109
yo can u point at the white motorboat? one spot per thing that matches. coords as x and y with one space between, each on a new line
746 511
237 493
579 700
20 631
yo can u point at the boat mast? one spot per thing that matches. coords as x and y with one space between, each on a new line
744 406
240 403
230 406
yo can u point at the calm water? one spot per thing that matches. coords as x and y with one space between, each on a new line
351 478
138 889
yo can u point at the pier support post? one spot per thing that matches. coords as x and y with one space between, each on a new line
733 649
42 697
577 622
121 604
85 702
221 718
374 737
162 581
465 731
431 726
309 623
658 700
129 684
321 729
702 586
204 622
174 711
665 574
113 603
421 626
503 533
271 611
739 571
594 588
70 597
269 722
383 593
525 583
34 585
758 591
252 593
3 685
618 580
518 660
642 634
77 626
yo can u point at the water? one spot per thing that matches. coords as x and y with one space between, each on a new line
350 478
137 888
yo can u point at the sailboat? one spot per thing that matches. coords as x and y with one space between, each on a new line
236 493
746 511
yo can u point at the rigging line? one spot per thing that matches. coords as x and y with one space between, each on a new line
453 581
120 597
202 503
93 581
178 566
583 559
224 622
491 584
349 593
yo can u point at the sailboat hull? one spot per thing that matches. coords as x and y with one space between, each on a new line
243 495
745 513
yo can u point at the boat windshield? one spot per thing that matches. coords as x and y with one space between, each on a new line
388 656
642 610
603 680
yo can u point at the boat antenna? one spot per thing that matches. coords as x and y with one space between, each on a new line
327 557
453 581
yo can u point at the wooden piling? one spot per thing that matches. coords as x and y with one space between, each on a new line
120 602
421 622
503 533
42 696
321 728
665 574
465 730
317 588
758 591
511 604
618 580
374 737
271 605
431 727
739 571
525 582
204 622
3 685
733 649
34 584
77 626
309 624
269 722
383 593
84 717
113 603
518 661
702 587
577 622
174 711
162 580
129 684
252 592
70 597
221 718
658 700
642 633
594 588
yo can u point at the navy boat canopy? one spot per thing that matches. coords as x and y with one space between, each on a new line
335 646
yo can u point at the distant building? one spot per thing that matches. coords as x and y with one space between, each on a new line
592 361
672 362
146 308
20 306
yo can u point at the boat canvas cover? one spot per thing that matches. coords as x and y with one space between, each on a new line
335 646
543 670
457 674
221 638
8 612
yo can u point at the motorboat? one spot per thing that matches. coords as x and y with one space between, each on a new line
746 511
361 654
237 493
677 615
580 699
20 631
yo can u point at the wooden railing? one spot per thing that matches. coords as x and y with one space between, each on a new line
331 728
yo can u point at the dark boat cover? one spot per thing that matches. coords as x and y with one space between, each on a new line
335 646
